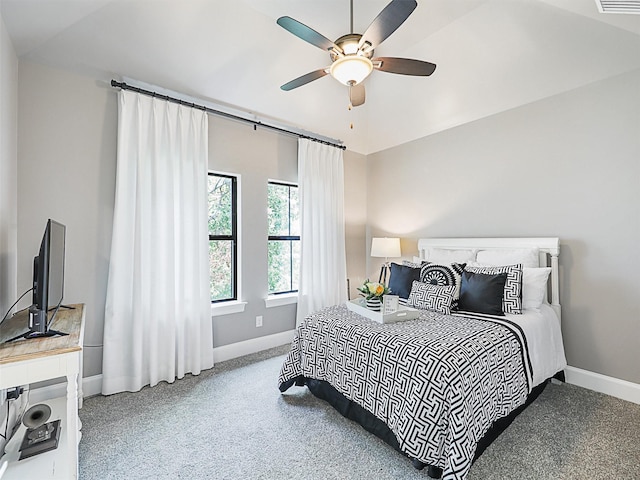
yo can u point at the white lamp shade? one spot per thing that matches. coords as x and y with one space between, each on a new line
385 247
351 69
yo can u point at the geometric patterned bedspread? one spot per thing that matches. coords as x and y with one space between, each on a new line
438 382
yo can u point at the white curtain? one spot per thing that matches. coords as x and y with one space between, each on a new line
323 265
158 311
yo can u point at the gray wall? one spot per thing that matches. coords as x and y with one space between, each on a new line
8 192
257 156
566 166
66 171
8 169
67 128
355 218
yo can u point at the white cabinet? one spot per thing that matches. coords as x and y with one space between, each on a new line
28 361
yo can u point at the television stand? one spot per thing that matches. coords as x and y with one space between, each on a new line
31 334
39 360
48 333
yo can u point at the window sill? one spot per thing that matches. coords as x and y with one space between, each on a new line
279 300
225 308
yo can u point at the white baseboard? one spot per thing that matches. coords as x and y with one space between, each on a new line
238 349
615 387
93 385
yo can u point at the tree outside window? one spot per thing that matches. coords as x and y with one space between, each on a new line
284 238
223 263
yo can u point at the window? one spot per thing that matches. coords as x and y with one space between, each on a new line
223 237
284 238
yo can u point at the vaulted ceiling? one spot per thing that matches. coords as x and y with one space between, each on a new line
491 56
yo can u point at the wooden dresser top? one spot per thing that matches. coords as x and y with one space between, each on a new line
69 321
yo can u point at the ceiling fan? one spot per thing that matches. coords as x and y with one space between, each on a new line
352 54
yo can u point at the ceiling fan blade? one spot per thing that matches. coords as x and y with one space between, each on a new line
307 34
404 66
387 22
356 95
304 79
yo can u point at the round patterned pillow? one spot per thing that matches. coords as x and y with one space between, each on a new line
440 274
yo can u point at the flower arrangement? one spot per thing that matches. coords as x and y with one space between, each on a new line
373 290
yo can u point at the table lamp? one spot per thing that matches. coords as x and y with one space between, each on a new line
387 248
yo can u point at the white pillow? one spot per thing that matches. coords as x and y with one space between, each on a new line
534 286
445 255
528 257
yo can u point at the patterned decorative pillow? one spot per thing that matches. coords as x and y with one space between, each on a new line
437 298
512 296
440 274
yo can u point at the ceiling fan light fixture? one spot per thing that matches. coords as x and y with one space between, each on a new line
352 58
351 69
350 47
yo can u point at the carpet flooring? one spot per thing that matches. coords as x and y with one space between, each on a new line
232 423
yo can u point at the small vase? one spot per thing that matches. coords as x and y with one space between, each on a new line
374 304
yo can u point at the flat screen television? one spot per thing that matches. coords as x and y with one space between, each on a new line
48 282
48 279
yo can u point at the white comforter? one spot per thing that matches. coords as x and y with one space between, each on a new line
544 338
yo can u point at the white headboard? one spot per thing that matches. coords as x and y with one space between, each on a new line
549 248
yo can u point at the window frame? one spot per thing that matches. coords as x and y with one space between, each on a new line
233 237
289 238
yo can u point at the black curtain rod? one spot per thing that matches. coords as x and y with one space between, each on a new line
255 123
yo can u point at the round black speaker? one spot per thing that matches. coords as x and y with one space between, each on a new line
36 416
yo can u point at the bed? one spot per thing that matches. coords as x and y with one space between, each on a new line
441 387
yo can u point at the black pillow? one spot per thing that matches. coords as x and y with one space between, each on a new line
482 293
401 279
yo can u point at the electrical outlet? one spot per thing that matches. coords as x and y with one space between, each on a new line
259 321
14 393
